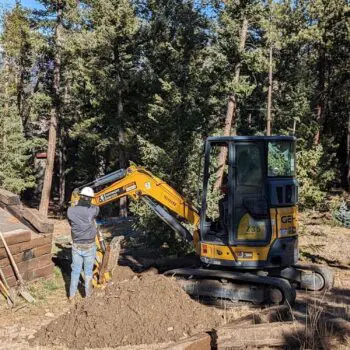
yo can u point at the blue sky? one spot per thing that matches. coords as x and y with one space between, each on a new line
25 3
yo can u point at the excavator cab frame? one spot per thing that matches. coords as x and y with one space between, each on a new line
261 189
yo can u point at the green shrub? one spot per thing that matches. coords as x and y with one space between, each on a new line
314 178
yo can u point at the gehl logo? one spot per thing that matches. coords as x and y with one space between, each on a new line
287 219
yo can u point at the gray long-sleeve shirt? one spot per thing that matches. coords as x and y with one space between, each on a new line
81 219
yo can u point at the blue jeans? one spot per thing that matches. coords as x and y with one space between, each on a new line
82 255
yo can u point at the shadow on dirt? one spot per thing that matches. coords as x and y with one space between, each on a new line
321 333
318 259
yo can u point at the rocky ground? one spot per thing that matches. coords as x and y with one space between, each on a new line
125 313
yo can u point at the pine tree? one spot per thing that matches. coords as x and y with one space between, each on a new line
15 174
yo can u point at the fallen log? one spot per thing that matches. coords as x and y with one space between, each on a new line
37 220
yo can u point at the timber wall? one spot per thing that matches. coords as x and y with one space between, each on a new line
29 237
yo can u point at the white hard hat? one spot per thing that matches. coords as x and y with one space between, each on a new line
88 192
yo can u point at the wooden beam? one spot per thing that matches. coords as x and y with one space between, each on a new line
199 341
41 223
27 254
26 266
16 236
9 198
274 334
33 275
35 241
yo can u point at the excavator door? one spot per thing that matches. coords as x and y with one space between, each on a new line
239 211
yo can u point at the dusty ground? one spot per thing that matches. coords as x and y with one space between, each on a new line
142 309
320 242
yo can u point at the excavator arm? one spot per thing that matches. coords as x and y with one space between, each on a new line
138 184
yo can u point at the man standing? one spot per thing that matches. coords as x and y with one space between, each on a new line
82 217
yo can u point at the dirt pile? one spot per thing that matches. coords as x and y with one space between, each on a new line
135 309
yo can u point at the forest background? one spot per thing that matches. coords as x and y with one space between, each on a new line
98 84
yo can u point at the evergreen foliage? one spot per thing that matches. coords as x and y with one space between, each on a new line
147 81
15 170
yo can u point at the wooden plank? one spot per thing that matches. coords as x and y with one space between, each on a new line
35 241
27 254
28 265
16 236
9 198
199 341
43 271
16 211
33 275
259 335
38 221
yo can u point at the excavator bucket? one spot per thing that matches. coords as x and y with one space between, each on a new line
106 261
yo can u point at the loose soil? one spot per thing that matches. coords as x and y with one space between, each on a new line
135 309
117 312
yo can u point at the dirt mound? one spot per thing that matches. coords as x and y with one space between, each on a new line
134 310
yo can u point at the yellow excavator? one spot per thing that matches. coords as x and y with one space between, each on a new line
246 232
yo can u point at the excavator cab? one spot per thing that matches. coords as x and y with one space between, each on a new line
255 205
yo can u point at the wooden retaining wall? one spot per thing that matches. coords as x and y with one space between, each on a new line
29 237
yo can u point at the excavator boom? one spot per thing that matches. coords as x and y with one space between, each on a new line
139 184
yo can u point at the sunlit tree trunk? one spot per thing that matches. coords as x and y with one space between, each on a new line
55 111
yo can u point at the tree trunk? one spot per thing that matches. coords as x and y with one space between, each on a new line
123 202
318 120
249 121
243 38
348 154
320 108
269 95
231 111
123 210
62 171
55 111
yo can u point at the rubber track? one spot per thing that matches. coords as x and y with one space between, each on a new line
284 286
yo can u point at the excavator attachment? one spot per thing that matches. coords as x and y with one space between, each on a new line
106 260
